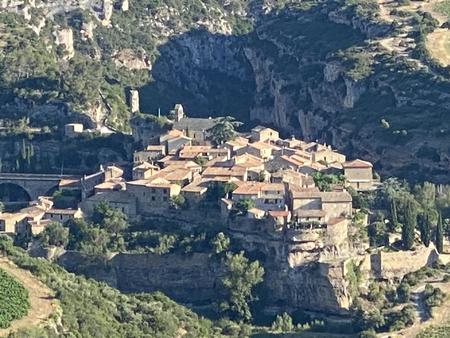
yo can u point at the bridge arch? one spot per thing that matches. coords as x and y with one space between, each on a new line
14 192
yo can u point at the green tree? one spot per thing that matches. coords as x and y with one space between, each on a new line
177 202
403 292
395 225
325 181
425 228
408 227
439 235
54 234
220 243
282 323
244 205
240 278
377 234
111 219
224 130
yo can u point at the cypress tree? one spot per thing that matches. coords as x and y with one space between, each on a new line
408 227
424 225
439 235
394 214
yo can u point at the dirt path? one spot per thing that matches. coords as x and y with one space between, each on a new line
440 315
437 42
41 299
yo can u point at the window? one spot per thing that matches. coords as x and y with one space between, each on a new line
153 190
164 199
153 198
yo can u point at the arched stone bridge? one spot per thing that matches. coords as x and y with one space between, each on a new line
39 184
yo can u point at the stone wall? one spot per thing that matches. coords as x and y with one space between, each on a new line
394 265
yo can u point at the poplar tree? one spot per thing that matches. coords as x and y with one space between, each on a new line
425 229
439 235
408 227
394 214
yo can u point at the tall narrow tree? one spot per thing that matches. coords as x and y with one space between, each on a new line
439 235
425 229
408 227
394 215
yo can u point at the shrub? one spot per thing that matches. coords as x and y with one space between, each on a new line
283 323
403 292
54 234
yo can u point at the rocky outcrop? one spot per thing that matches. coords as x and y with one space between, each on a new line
132 60
64 38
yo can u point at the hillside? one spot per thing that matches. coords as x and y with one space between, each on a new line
33 300
327 70
14 299
92 309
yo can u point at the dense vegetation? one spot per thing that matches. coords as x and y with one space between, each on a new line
92 309
14 302
424 208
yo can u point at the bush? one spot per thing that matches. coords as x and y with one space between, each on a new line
368 334
433 297
403 292
283 323
54 234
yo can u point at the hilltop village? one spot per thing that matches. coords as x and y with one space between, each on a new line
262 176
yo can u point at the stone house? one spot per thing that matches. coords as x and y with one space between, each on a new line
152 194
266 196
284 162
358 174
207 152
264 134
63 215
258 149
173 145
236 144
122 200
150 154
325 154
112 184
225 173
144 171
310 204
195 128
11 223
293 177
194 192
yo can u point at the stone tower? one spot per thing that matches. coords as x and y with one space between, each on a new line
134 101
179 112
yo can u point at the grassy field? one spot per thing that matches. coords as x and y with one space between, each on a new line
443 7
14 302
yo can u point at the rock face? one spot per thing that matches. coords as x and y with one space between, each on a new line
64 37
134 101
303 88
308 271
196 278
